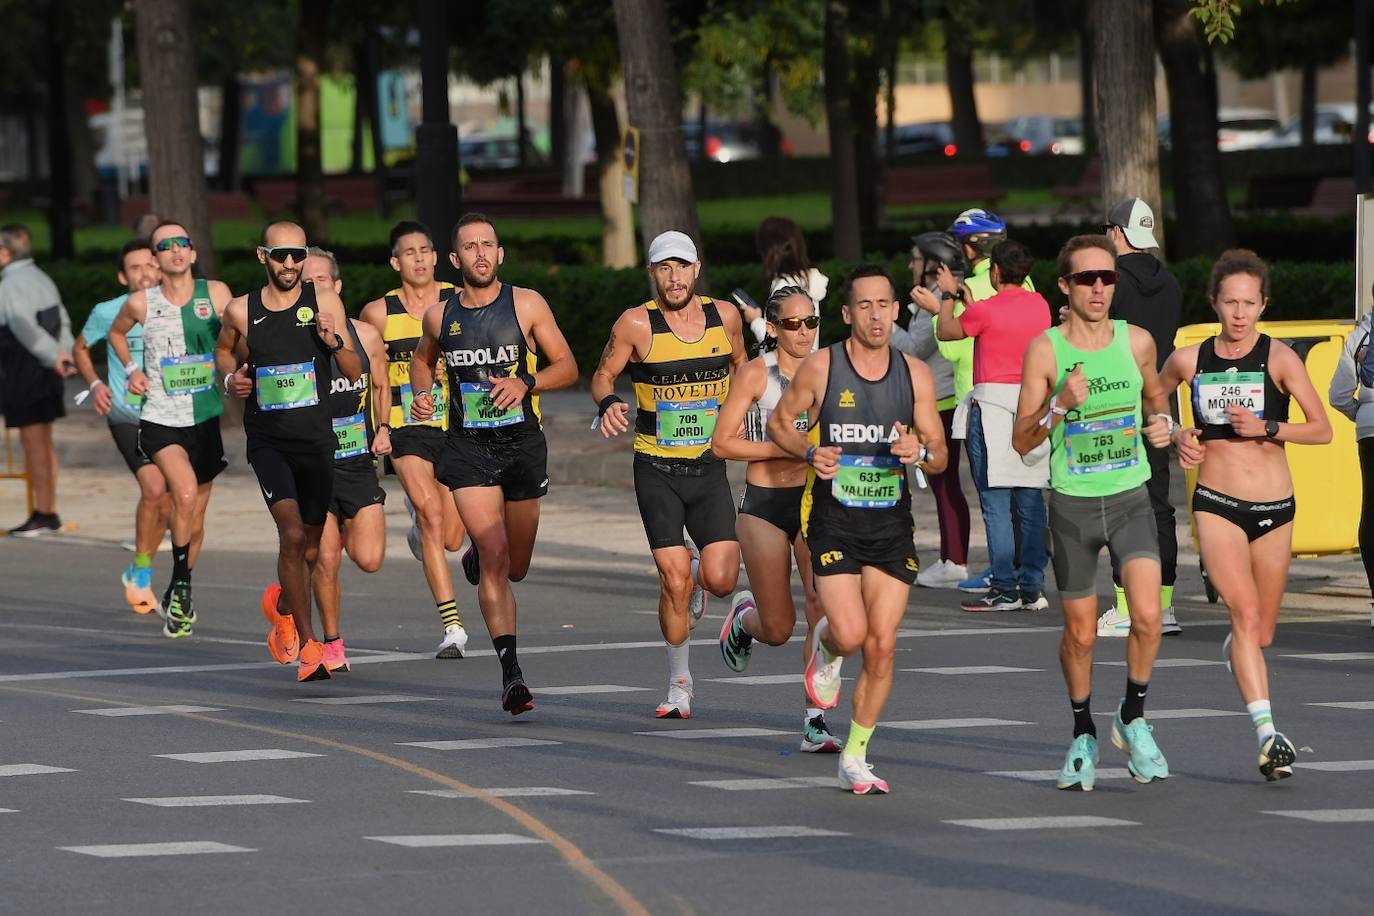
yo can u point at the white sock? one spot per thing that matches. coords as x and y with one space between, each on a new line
1263 717
811 713
677 662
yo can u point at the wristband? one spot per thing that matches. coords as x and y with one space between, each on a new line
130 367
810 454
1169 421
606 403
338 344
227 379
527 379
383 426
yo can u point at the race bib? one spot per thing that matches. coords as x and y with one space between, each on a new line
134 400
191 374
287 387
1213 392
479 412
868 482
1107 444
351 433
682 423
440 405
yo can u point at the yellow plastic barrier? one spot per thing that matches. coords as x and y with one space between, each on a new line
1326 478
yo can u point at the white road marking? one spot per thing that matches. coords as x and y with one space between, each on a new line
1046 775
1057 822
1154 714
758 679
1337 766
512 792
1173 663
1349 704
30 769
431 841
361 701
214 801
714 733
119 711
266 753
748 833
1333 656
9 810
477 744
578 689
762 784
1330 815
972 669
932 724
131 850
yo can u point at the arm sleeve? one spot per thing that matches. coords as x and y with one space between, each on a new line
1344 382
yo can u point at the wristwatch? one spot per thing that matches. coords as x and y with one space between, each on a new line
338 344
528 380
1271 428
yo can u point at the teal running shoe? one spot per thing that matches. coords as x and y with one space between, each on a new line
817 739
1276 757
1080 766
736 645
1136 738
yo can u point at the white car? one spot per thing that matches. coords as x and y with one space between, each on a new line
1334 124
1237 128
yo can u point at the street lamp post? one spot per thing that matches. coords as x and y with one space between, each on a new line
437 189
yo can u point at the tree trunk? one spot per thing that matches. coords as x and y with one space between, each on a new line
617 218
891 59
1085 83
521 131
60 223
310 41
1308 116
176 162
1124 70
1203 223
374 120
85 181
770 138
968 130
867 164
230 120
655 107
559 114
844 182
362 75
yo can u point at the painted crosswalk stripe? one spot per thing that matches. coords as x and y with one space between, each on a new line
1173 663
362 701
688 734
1047 775
120 711
133 850
1197 713
579 689
1349 704
214 801
972 669
1330 815
935 724
1055 822
430 841
1333 656
266 753
1338 766
9 810
30 769
762 784
477 744
758 679
510 792
781 831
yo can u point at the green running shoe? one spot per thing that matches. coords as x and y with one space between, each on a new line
1080 766
1136 738
1276 757
736 645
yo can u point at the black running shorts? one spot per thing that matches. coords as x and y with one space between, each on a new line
519 466
834 553
202 443
425 442
355 487
125 437
778 506
694 495
305 476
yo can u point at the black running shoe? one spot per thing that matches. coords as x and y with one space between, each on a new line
37 524
178 614
472 571
516 697
1276 758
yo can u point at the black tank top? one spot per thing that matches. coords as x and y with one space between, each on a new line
291 376
480 344
870 497
350 407
1220 382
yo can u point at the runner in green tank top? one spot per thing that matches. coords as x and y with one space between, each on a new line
1082 385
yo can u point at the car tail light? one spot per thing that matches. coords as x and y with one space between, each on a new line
785 146
950 149
712 147
1024 146
1226 138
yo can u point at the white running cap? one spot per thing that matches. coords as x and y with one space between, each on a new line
1137 222
672 244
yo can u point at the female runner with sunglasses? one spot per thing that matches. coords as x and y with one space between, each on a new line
1242 382
769 520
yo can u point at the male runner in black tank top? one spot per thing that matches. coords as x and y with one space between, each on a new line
865 397
495 460
286 333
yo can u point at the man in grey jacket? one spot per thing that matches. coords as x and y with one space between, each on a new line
35 356
1356 401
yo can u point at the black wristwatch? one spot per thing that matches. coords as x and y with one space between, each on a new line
1271 428
338 344
528 379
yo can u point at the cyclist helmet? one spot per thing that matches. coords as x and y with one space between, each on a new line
941 248
979 228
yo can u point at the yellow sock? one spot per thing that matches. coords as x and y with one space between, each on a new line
856 745
1166 597
1121 606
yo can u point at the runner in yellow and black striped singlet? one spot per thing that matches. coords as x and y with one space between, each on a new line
417 447
681 349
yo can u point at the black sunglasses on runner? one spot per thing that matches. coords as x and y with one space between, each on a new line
178 241
795 323
282 252
1090 277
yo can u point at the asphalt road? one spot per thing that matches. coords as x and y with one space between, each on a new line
402 786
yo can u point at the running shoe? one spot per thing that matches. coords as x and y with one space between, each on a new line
994 599
942 574
515 696
736 644
1226 651
454 642
472 570
817 739
822 678
1080 766
1112 623
282 641
1276 758
335 657
696 604
679 702
978 584
179 613
36 525
138 589
1034 601
1136 738
413 535
857 776
1169 624
312 665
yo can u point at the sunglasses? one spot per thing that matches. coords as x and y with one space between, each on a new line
794 324
173 241
281 252
1090 277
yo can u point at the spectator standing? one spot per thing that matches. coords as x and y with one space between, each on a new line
782 252
35 356
1356 400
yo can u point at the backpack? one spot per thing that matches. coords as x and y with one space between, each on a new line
1364 360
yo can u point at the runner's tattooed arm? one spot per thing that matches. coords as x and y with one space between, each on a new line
805 395
134 311
629 335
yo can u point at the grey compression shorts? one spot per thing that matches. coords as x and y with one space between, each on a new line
1080 526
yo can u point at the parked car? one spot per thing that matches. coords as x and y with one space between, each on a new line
494 151
925 138
727 141
1237 128
1334 124
1054 134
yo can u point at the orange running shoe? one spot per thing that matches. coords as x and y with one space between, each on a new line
283 642
312 667
334 657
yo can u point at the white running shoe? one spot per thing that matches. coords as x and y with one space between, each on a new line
1113 623
696 604
1169 625
822 676
857 776
942 574
454 642
679 702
